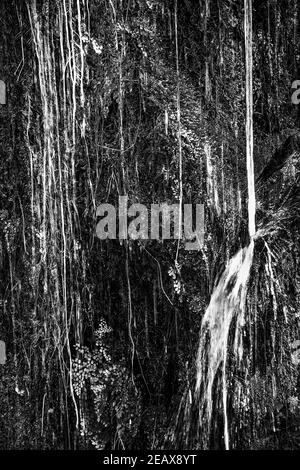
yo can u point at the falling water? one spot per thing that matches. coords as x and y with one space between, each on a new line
249 116
228 300
227 303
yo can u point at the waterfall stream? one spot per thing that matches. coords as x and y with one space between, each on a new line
227 303
228 299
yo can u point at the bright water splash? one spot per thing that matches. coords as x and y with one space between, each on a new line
227 303
228 299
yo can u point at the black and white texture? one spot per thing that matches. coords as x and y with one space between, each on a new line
133 343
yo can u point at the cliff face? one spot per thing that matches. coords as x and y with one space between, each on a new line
146 100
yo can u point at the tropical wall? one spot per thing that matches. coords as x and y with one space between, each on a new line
140 343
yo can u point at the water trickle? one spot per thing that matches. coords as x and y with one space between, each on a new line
226 305
2 353
2 92
228 300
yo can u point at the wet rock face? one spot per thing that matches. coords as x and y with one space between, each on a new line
290 148
2 353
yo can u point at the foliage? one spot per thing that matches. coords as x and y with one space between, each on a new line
102 335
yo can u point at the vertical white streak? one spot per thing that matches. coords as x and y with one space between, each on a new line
179 130
249 116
